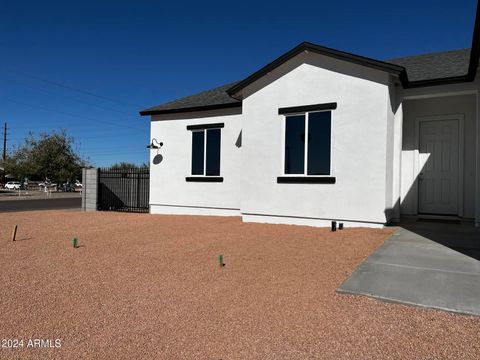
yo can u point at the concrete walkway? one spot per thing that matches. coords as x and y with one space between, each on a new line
424 264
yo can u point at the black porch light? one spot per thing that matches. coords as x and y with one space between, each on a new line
152 145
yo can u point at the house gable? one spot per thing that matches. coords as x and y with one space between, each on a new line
331 67
307 47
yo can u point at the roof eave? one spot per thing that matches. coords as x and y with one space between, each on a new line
191 109
436 82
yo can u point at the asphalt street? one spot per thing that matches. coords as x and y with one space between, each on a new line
40 204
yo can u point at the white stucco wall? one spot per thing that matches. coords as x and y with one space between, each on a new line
445 105
359 143
170 193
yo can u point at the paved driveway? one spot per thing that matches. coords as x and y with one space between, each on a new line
425 264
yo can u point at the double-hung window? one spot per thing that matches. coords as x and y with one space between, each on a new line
205 161
307 144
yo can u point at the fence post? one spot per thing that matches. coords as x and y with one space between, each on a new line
84 189
138 189
90 189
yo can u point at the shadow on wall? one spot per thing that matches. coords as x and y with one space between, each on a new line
238 143
411 196
438 108
412 193
107 196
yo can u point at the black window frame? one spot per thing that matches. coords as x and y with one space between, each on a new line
205 176
304 177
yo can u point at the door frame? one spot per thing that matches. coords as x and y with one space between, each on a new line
461 150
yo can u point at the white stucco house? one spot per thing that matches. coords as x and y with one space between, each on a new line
320 135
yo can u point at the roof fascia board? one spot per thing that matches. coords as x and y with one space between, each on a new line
436 82
191 109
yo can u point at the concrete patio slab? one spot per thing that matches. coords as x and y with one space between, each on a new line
429 265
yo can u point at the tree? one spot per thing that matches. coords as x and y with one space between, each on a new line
46 156
127 166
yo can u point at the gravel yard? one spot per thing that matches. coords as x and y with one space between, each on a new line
149 287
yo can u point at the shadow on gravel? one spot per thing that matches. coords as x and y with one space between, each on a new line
24 239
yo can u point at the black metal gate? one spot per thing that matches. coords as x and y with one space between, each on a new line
123 190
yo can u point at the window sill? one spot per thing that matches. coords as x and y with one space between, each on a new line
306 180
204 179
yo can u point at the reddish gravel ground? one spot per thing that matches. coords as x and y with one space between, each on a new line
149 287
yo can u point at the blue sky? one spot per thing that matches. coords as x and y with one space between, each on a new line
90 66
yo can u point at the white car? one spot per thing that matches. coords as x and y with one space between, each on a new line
12 185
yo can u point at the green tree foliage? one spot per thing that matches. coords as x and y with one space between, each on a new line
127 166
46 156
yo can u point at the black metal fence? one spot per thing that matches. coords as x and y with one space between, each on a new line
123 190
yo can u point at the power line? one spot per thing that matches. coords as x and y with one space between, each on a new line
73 115
71 88
105 151
43 91
109 150
78 128
80 138
121 138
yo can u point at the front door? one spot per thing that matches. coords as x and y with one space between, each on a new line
439 167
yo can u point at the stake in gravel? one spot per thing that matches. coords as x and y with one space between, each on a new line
14 234
75 242
220 260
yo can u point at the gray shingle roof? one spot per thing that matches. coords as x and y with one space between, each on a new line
212 97
438 65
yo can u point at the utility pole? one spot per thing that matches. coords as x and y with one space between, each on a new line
4 151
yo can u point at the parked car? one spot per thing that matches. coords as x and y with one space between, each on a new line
78 184
67 187
47 184
13 185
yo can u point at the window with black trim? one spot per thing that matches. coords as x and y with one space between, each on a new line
308 143
206 152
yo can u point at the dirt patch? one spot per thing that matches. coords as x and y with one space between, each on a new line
149 286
